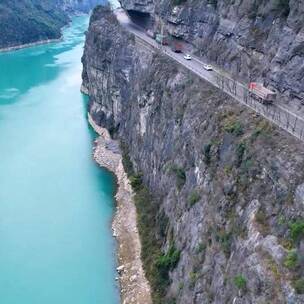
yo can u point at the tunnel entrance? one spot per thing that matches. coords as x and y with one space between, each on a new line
141 19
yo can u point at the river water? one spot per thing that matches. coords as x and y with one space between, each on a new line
56 205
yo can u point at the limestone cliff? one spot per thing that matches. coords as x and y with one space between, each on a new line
220 192
253 39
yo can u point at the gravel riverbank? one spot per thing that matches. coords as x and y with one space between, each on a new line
27 45
134 286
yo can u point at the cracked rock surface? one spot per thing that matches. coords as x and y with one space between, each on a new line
228 185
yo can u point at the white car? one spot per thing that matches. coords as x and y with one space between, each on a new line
187 57
208 67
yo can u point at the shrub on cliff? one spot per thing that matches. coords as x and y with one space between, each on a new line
136 181
240 282
231 124
165 263
194 197
169 260
240 150
180 175
297 230
299 286
151 223
126 161
291 260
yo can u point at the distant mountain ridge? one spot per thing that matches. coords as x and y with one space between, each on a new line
80 5
29 21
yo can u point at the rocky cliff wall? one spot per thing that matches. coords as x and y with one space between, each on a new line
220 191
253 39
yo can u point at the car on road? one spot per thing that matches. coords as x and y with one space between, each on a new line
187 57
208 67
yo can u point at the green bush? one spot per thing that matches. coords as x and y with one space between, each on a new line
169 260
126 161
180 175
163 222
192 279
291 260
225 239
136 181
151 224
234 127
147 211
194 197
263 128
240 282
165 263
297 230
240 150
299 286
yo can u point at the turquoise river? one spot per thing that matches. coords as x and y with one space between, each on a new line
56 204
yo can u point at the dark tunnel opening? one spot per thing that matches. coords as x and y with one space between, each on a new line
141 19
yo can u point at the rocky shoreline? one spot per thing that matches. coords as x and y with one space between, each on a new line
28 45
134 287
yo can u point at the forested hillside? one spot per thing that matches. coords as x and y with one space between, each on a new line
28 21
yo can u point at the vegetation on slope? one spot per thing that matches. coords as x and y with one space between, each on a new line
152 226
29 21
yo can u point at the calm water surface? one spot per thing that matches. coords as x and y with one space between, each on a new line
55 203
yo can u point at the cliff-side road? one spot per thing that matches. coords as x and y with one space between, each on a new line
276 113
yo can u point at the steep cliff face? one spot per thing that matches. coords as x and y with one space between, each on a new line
28 21
253 39
220 191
